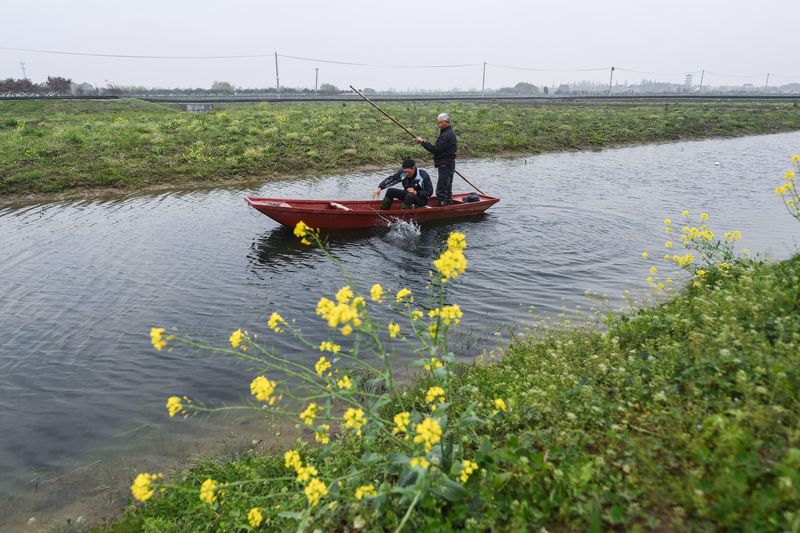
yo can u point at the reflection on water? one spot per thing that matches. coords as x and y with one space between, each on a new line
83 282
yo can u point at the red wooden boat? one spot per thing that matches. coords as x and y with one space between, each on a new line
355 214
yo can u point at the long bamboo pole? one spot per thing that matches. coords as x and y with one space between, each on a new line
370 102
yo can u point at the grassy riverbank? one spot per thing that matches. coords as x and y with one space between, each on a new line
57 146
683 416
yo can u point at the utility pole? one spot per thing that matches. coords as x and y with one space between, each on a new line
610 81
483 82
277 76
700 89
765 85
22 66
316 80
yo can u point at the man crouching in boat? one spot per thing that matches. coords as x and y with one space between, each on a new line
417 187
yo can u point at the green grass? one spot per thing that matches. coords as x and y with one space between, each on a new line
54 146
682 416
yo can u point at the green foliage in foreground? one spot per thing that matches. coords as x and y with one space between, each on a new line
52 146
681 416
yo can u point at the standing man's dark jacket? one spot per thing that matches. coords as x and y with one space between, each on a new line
444 151
421 182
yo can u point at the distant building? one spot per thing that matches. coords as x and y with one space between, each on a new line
82 89
563 90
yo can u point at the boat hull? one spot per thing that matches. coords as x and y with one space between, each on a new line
357 214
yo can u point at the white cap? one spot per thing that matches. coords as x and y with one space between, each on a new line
443 116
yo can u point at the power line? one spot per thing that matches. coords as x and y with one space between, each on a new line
659 73
513 67
376 64
373 65
123 56
737 75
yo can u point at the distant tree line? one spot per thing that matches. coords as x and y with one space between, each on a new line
521 88
54 86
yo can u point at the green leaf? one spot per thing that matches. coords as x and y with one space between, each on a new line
485 449
451 491
371 459
465 421
380 402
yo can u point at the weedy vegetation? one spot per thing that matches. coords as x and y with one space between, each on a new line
679 416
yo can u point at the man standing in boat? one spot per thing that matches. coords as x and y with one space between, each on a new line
417 187
444 158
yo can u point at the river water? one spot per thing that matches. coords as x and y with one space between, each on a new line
82 392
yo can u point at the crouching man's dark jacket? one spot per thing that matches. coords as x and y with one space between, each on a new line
421 182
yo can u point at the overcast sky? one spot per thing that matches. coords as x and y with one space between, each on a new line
662 40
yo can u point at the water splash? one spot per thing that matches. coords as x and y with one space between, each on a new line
402 232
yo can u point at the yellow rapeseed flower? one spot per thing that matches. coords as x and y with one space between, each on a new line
435 395
416 314
321 435
645 255
683 260
449 314
500 404
429 433
254 517
365 490
653 270
309 414
301 229
340 313
685 214
402 295
433 329
467 468
401 422
376 292
456 241
433 365
703 216
796 158
667 257
321 366
394 330
450 264
419 462
354 419
668 244
344 295
315 490
174 406
142 486
292 460
157 339
324 306
328 346
208 491
667 222
274 320
236 338
263 389
789 175
344 383
346 330
304 473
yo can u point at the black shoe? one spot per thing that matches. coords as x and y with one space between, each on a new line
386 204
